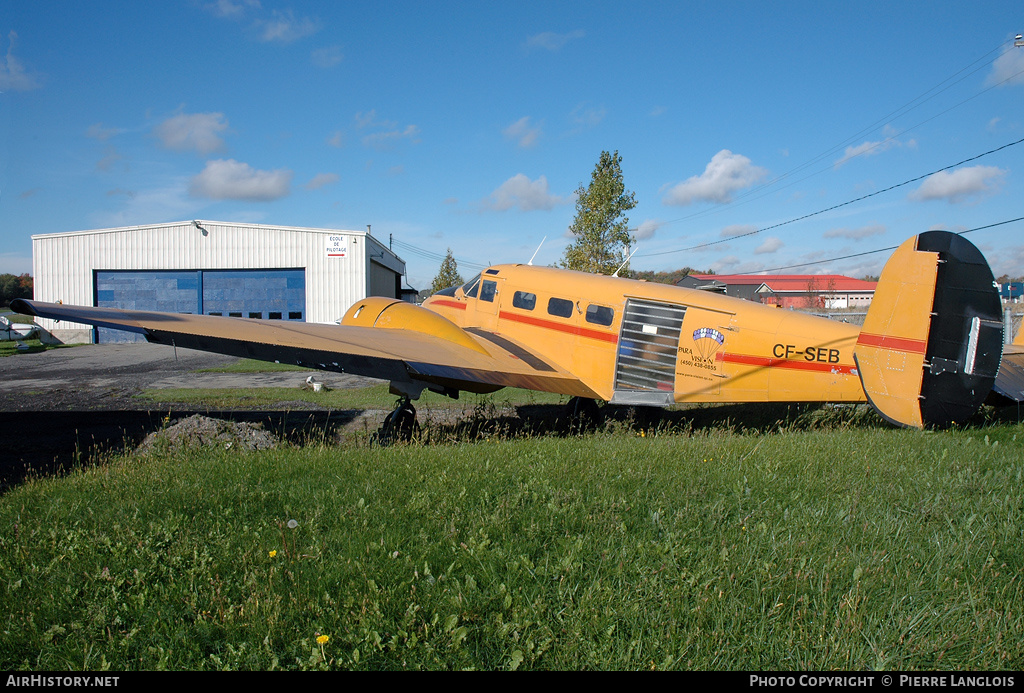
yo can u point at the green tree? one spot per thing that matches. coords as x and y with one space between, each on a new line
448 275
14 286
601 230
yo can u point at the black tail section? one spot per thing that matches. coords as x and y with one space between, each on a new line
965 340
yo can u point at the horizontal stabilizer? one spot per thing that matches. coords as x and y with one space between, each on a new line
931 343
1010 381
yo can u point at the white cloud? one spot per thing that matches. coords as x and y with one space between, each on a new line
232 9
524 194
525 133
725 174
233 180
647 228
770 245
193 131
337 139
327 57
383 140
960 185
110 157
856 234
865 149
284 27
321 180
13 75
369 119
98 132
731 264
1008 261
871 148
1008 68
146 206
551 41
389 132
584 117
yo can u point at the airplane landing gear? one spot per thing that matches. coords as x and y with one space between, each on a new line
582 415
399 425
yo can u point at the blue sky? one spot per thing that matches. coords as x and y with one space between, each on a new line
471 125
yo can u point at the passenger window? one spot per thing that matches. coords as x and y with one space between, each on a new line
470 287
560 307
524 300
487 291
600 315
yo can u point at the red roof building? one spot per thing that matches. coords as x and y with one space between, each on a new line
805 291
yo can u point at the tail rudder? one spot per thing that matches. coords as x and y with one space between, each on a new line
930 347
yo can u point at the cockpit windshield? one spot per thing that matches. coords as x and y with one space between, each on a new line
471 287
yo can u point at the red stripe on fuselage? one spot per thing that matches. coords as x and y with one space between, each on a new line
915 346
458 305
560 327
789 364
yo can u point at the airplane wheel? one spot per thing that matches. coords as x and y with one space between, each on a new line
399 425
583 414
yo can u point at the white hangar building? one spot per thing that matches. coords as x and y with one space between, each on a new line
213 268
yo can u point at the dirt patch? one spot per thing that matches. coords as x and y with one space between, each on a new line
203 431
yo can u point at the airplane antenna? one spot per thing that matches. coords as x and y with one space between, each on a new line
616 273
537 250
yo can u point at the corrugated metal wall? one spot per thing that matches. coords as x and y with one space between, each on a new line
337 262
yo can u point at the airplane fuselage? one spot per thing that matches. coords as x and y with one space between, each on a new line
636 342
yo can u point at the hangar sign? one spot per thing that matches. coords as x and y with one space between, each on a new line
337 246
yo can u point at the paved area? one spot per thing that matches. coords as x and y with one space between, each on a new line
108 376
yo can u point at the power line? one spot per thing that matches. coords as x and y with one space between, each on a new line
760 191
430 255
882 250
834 207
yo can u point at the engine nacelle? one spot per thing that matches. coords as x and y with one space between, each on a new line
391 313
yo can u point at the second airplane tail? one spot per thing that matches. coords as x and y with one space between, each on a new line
929 351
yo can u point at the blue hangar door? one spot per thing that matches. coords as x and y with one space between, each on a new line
269 294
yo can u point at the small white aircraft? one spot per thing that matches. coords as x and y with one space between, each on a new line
16 331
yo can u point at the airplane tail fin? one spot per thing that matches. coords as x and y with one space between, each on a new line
932 340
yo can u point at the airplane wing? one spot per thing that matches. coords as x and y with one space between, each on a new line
423 350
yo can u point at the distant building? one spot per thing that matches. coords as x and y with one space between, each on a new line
804 291
1011 291
211 267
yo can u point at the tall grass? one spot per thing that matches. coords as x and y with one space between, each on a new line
847 547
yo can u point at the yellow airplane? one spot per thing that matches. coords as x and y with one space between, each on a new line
927 355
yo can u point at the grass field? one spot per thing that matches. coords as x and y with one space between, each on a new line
374 397
835 544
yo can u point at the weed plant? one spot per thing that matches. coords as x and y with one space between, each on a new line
824 541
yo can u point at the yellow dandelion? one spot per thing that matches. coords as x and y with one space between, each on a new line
322 639
273 553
